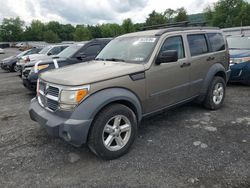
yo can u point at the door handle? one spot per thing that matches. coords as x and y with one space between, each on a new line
185 65
210 58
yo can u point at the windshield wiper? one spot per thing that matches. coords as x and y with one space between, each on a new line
115 59
99 59
239 48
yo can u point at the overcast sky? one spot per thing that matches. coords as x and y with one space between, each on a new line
93 11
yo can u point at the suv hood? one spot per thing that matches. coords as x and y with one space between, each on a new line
9 58
34 57
90 72
239 53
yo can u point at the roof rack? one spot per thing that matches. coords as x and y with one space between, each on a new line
177 24
168 25
162 31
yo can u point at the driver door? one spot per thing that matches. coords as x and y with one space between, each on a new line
168 83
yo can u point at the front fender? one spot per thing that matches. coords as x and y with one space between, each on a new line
95 102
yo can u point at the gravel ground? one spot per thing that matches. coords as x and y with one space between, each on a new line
185 147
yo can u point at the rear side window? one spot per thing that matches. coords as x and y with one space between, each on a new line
174 43
217 41
93 50
197 44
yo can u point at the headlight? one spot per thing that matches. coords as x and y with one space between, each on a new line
239 60
70 98
41 67
32 70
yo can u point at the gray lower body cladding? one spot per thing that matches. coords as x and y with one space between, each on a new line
73 131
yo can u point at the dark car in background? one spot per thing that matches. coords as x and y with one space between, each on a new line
76 53
9 63
239 47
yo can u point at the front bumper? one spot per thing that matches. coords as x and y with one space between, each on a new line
4 66
240 72
29 79
29 84
74 131
228 74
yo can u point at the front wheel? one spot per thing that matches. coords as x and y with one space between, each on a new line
113 132
215 94
16 69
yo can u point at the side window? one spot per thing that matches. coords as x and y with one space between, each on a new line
56 50
174 43
92 50
197 44
217 41
63 47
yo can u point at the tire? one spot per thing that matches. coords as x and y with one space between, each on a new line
107 143
215 94
12 68
16 68
248 80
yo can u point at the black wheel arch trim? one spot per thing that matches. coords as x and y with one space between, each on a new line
216 69
92 105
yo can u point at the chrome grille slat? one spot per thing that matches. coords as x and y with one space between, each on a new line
48 96
53 91
51 104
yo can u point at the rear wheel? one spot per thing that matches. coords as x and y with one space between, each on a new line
215 94
113 132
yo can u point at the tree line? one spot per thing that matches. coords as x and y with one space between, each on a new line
224 13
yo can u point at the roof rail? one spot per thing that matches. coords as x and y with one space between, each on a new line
162 31
177 24
168 25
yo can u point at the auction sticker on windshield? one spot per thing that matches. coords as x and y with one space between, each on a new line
146 39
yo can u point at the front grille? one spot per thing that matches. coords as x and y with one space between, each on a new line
53 91
48 96
51 104
26 73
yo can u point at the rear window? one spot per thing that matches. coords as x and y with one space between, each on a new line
197 44
217 41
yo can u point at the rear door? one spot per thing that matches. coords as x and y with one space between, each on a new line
200 61
218 49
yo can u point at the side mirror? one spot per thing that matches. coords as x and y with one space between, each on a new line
81 55
167 56
49 53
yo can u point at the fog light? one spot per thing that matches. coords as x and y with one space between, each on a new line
66 136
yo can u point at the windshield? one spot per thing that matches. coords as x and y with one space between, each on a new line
22 54
238 42
128 49
71 50
45 50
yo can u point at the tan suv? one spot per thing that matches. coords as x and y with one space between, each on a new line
101 103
